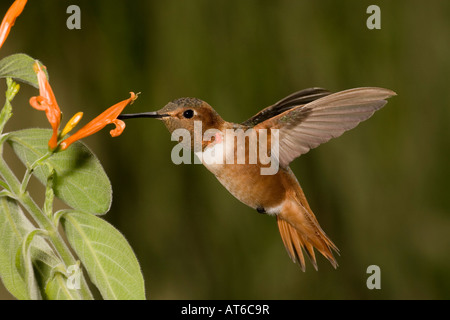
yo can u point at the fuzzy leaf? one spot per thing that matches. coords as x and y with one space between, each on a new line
24 263
20 67
80 180
106 255
14 228
56 289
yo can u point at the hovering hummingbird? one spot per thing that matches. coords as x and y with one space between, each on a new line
302 121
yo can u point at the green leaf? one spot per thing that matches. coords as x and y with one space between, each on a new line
80 180
24 263
56 289
13 227
19 66
53 284
106 255
40 260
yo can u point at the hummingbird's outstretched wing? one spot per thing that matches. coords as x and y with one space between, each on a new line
293 100
304 127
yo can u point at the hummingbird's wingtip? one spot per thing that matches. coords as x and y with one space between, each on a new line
391 93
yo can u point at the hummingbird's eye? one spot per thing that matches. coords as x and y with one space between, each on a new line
188 114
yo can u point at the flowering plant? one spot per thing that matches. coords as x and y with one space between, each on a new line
35 260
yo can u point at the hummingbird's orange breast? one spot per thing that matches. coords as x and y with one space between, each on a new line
242 177
262 192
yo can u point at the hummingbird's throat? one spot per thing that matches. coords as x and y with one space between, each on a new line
218 138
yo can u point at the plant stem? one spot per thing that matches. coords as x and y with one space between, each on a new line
30 169
42 220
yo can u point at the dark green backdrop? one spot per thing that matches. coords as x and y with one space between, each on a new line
380 191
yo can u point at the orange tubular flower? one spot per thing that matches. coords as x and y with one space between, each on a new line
46 101
105 118
8 21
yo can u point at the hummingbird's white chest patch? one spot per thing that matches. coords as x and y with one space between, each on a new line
214 155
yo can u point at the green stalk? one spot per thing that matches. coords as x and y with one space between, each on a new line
30 169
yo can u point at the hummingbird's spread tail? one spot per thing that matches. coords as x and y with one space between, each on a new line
300 230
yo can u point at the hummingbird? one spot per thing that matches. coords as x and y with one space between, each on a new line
302 121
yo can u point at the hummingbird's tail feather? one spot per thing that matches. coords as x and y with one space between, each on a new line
300 232
290 240
296 243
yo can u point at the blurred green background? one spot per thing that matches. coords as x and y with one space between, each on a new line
380 191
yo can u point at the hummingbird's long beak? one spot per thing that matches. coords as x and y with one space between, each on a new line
155 115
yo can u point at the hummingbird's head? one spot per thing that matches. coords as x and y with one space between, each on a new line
183 113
